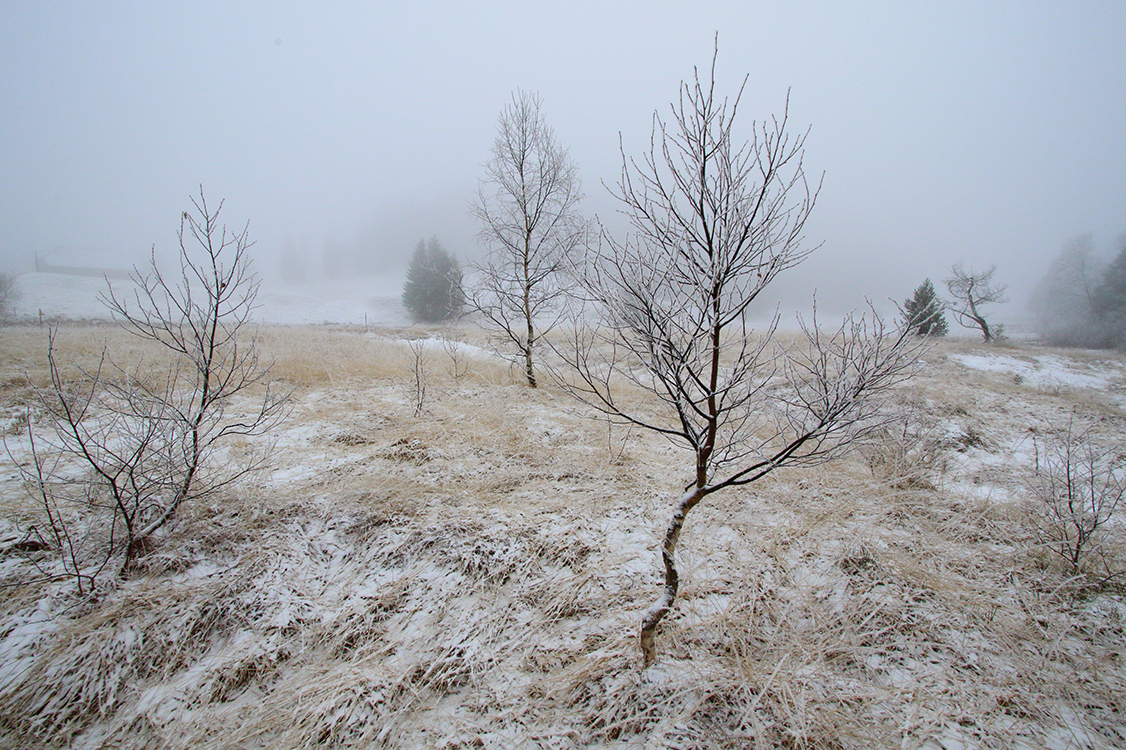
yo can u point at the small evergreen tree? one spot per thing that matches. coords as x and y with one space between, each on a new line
432 292
924 312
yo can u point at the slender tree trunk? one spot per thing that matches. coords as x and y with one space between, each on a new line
661 607
528 371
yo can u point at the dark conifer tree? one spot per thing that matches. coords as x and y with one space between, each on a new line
924 311
433 291
1110 302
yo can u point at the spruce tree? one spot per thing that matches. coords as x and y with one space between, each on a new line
924 311
432 292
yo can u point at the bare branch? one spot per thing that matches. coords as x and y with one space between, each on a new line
528 209
714 222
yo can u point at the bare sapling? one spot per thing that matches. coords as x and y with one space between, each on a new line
117 428
418 363
146 438
1078 487
453 343
714 222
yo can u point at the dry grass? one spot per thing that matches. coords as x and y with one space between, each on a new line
312 357
473 577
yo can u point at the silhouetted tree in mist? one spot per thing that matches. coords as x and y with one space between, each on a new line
970 292
1064 299
8 293
432 292
1109 300
923 312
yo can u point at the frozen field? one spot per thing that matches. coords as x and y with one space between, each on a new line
472 575
371 300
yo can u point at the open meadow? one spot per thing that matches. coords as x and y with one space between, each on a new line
439 556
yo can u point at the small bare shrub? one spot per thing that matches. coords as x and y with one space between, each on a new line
453 343
8 293
418 362
125 448
1076 489
908 453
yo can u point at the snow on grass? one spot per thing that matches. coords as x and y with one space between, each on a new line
1047 371
475 576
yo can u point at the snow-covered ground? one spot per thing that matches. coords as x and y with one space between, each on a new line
372 300
471 574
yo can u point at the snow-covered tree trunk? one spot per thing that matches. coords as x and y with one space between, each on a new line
661 607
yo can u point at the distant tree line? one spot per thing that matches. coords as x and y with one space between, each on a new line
1080 301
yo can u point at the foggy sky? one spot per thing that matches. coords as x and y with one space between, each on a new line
982 132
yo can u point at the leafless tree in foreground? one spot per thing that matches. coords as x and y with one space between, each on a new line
146 437
970 291
419 363
530 221
714 223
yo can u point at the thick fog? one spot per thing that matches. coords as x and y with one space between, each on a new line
975 132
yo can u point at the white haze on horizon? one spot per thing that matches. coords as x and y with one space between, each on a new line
984 133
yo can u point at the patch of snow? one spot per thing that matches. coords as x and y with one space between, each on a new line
371 300
1046 371
24 631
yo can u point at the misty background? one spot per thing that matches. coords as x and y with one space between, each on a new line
974 132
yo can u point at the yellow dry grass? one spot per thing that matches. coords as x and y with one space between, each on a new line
472 576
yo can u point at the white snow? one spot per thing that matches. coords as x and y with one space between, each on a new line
1046 370
372 300
426 596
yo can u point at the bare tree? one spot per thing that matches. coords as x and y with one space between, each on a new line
453 342
530 221
418 361
714 223
1079 487
9 293
1064 300
970 291
146 436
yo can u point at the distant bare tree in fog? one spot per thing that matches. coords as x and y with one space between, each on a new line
8 293
528 208
970 291
715 221
1064 299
